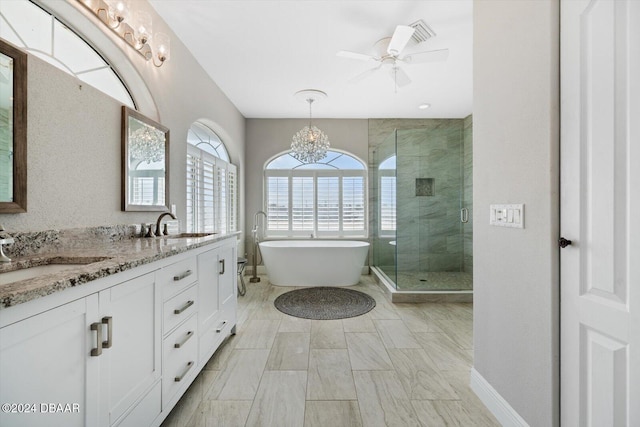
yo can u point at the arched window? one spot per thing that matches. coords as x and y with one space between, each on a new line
324 199
212 183
201 136
31 28
387 188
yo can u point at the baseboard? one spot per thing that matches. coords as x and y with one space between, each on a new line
500 408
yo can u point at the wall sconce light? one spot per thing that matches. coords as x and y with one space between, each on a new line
134 27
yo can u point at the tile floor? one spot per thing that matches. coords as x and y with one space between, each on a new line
398 365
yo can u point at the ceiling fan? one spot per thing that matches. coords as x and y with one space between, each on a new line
390 51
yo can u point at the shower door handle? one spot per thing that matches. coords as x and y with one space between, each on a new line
464 215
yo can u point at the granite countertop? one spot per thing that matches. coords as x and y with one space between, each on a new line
100 260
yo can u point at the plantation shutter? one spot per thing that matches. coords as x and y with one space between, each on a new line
278 202
302 203
207 197
387 203
232 178
327 199
328 203
192 190
221 197
353 203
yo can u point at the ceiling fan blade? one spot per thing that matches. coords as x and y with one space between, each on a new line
399 76
359 77
355 55
426 56
401 37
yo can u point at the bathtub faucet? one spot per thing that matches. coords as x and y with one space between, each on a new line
255 224
256 248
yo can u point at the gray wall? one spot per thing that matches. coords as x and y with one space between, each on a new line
516 151
267 138
74 133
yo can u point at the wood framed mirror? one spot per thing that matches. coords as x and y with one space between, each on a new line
13 129
145 163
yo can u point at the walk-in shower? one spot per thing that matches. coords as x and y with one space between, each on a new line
421 189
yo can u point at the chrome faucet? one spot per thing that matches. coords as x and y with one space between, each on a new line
5 241
162 215
255 277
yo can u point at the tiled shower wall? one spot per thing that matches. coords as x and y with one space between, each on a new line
430 236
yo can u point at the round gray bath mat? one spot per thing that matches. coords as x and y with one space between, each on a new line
324 303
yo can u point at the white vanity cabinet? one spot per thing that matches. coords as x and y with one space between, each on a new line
130 365
179 328
98 355
121 350
217 286
46 359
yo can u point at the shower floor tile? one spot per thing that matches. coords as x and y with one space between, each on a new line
434 281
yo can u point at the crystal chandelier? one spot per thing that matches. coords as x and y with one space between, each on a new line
310 144
146 144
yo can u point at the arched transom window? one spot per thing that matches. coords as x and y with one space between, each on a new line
31 28
324 199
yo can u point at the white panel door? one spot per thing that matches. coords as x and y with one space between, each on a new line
600 202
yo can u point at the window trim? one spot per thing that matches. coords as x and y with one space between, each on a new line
315 173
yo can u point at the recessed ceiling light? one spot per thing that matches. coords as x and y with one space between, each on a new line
424 106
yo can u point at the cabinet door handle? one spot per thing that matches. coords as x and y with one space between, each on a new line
222 262
186 371
180 344
221 326
98 328
182 275
109 322
180 310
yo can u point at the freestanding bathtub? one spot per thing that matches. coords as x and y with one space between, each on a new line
314 262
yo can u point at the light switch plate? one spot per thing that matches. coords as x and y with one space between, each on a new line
507 215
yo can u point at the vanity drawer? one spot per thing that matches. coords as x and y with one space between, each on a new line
211 339
180 358
179 308
177 276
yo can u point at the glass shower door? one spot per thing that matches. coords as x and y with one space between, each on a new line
384 224
430 241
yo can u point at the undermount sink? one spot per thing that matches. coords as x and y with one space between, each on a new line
188 235
54 265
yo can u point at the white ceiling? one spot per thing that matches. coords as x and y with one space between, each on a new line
261 52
